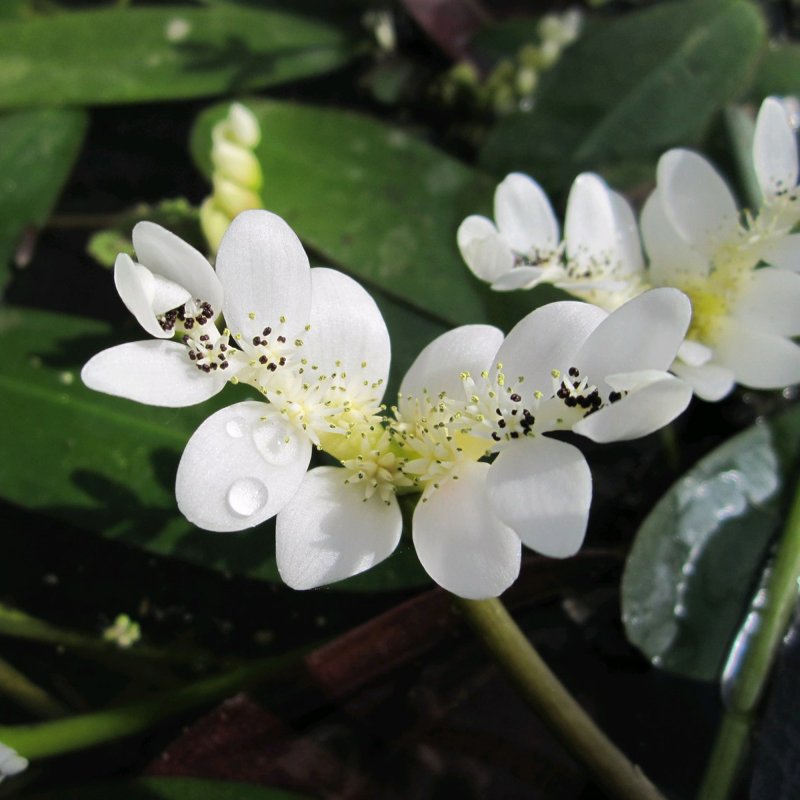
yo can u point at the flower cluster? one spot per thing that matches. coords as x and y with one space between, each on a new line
739 269
471 431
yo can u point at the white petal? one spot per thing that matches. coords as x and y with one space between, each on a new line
519 278
784 253
524 215
166 254
644 333
709 381
547 339
654 399
672 260
461 543
241 467
166 293
774 149
696 200
590 229
770 302
265 273
438 367
347 327
629 245
485 252
693 353
758 360
542 488
136 288
328 532
157 373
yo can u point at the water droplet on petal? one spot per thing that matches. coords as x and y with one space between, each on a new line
236 427
276 441
246 496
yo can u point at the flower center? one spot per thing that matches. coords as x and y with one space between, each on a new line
192 314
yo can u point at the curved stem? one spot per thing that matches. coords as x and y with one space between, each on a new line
751 659
550 699
46 739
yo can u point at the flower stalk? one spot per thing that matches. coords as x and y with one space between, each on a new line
57 737
751 660
541 689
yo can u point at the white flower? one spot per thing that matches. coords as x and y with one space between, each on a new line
599 260
172 289
698 241
10 762
314 344
566 366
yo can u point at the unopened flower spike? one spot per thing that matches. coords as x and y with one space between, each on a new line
237 177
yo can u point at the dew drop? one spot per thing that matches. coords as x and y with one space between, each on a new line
276 441
246 496
235 427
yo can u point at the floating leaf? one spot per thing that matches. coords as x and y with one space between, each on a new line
130 55
37 152
370 198
697 558
108 465
629 88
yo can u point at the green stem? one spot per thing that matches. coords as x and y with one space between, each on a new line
550 699
46 739
751 659
23 626
27 694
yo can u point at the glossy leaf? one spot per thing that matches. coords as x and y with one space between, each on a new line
37 152
369 198
169 789
136 54
108 465
631 87
698 557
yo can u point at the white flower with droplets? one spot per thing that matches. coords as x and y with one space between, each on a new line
470 393
172 290
314 344
11 763
600 258
698 241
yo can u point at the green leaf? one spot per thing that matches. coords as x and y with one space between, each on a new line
168 789
108 465
630 88
778 72
369 198
36 156
698 557
131 55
